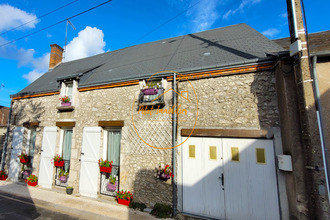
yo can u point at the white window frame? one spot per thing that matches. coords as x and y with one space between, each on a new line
64 89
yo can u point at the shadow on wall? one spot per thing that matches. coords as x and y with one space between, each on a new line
21 113
148 189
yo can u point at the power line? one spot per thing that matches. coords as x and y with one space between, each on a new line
169 20
38 17
64 20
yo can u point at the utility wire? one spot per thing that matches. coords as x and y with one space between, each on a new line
64 20
38 17
169 20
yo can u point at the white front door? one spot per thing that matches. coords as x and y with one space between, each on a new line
230 179
47 154
202 172
15 166
89 169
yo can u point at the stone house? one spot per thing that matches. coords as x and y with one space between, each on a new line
218 106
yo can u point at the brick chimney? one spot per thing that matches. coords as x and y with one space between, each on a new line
56 53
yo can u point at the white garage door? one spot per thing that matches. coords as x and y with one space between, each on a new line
230 179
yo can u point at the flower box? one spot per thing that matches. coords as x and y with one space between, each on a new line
24 160
150 91
124 202
32 184
65 103
106 169
59 163
4 177
63 179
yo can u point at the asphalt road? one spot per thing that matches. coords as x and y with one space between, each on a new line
14 207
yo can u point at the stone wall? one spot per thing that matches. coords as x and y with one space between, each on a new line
245 101
238 101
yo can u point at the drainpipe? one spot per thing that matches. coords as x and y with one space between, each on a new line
173 144
4 151
320 124
293 7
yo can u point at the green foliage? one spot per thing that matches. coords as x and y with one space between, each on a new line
63 173
32 178
153 84
124 195
112 180
137 205
57 158
161 211
69 187
105 163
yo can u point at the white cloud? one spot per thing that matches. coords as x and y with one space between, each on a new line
284 15
88 43
33 75
204 15
271 32
240 8
12 17
40 65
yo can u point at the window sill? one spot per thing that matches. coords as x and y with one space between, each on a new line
65 108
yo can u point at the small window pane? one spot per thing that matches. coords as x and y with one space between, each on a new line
261 157
192 151
213 152
234 154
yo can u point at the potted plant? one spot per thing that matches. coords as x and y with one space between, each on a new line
32 180
26 173
164 173
105 166
124 197
3 175
63 176
58 161
24 158
69 190
112 184
65 101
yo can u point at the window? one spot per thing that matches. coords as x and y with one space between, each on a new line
68 91
65 148
111 152
32 143
192 151
261 156
213 152
234 154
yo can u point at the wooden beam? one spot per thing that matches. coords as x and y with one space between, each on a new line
117 123
31 124
230 133
65 123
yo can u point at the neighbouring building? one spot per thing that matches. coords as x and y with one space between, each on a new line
4 113
219 106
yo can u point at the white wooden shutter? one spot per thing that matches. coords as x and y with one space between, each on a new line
15 166
47 154
90 153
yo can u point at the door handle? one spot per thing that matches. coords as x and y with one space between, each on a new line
222 179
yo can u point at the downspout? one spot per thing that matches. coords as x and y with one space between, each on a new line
3 156
293 7
320 124
174 144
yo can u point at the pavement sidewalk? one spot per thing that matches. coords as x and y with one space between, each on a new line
75 205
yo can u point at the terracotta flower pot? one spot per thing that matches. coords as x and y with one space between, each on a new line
32 184
23 160
124 202
106 169
59 163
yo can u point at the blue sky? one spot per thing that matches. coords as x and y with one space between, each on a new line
123 23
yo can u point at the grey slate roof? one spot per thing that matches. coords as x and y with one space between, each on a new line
234 45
